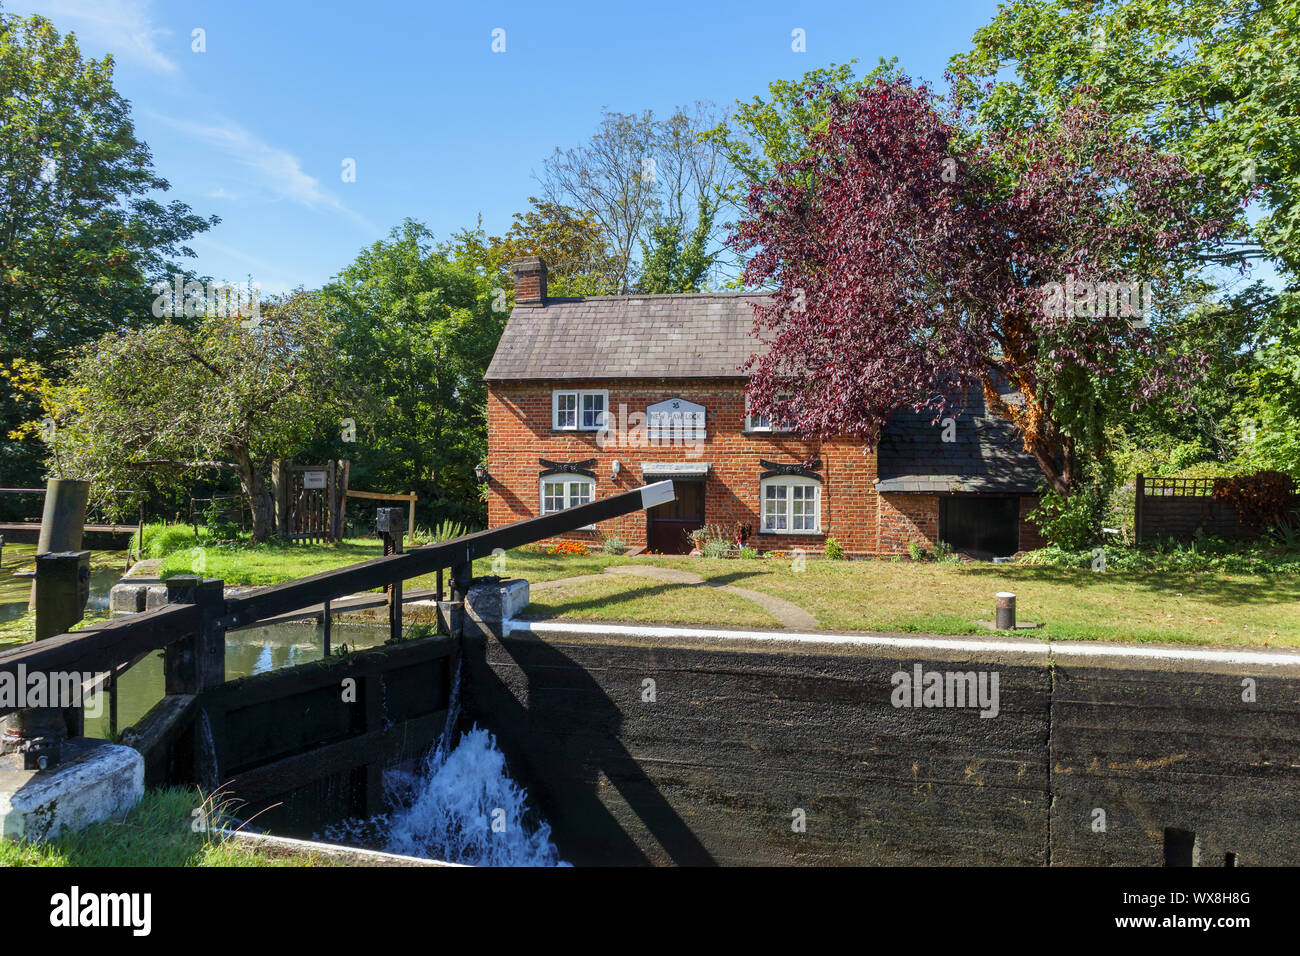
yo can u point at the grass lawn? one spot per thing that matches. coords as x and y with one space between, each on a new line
1202 607
158 831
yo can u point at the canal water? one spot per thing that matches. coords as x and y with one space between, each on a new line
459 805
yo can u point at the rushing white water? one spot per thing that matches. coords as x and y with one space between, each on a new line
462 806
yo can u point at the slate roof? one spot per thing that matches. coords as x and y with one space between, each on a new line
987 456
700 335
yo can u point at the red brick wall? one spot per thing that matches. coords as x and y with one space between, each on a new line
1030 537
908 518
519 433
905 519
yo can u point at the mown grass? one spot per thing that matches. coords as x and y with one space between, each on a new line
645 600
158 831
944 598
1075 603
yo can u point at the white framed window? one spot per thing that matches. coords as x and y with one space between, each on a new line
791 505
579 411
763 423
566 491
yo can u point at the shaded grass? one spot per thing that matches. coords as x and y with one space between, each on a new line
158 831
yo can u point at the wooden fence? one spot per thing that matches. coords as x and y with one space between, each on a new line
1179 508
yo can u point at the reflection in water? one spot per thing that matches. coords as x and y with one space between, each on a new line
15 591
255 650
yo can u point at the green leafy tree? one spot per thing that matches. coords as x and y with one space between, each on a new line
82 236
166 404
418 323
1215 82
573 244
673 261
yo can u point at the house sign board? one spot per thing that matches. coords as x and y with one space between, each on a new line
675 419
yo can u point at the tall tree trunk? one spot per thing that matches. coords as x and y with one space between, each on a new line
261 505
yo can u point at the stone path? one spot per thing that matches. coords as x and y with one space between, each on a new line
790 615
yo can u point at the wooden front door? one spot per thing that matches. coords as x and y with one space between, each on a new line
669 524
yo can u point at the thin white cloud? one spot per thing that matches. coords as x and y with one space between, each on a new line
121 27
275 169
270 277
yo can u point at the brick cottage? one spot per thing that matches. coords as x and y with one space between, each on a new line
592 396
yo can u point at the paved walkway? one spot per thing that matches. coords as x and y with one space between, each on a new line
790 615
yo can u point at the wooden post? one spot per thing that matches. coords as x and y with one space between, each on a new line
395 612
198 661
410 521
328 512
1139 490
62 586
325 622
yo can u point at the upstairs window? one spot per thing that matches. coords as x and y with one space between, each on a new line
763 423
579 411
791 506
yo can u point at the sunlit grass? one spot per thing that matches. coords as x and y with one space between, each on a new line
158 831
1203 607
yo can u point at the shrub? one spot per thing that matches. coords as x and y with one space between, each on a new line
444 531
716 548
613 544
917 551
834 550
218 522
1264 498
1071 522
748 552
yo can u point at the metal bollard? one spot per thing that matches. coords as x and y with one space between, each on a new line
1006 611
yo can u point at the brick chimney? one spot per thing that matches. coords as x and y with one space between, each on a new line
530 281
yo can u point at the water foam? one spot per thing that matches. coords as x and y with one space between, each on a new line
461 806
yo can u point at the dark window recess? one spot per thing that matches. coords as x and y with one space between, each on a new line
1180 847
980 526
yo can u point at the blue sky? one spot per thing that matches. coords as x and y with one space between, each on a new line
256 128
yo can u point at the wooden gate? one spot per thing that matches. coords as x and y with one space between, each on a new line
313 503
